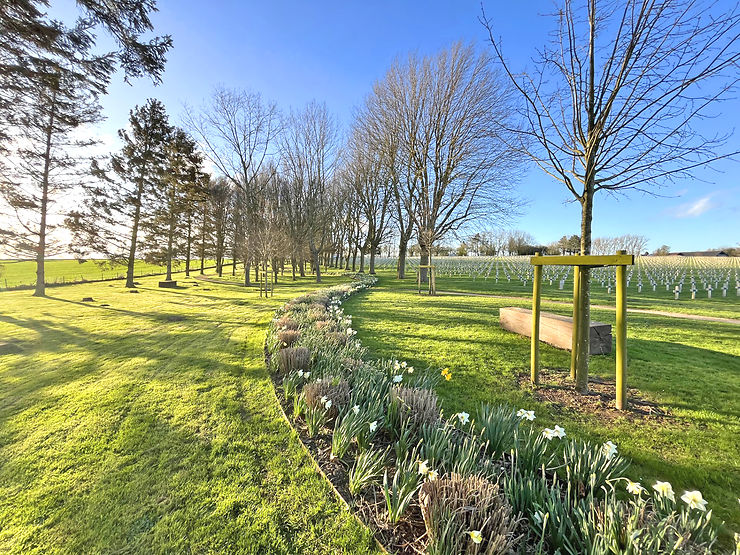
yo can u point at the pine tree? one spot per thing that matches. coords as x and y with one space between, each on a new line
43 159
165 223
108 222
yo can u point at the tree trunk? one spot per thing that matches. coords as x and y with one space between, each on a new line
372 260
302 267
316 262
292 266
402 248
424 261
170 232
584 305
134 233
188 246
362 260
247 269
40 290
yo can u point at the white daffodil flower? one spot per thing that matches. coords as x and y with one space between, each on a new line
526 414
397 378
410 369
548 433
423 468
560 432
356 409
694 500
463 417
433 475
609 449
476 536
634 487
300 373
404 364
306 374
373 426
396 365
665 489
324 399
328 404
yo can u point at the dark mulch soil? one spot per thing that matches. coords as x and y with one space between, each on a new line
557 390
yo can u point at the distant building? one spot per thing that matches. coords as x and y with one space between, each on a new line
699 253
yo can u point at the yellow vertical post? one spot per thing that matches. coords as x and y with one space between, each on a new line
576 321
535 356
621 335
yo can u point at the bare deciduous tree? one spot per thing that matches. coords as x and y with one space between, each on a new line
612 103
309 154
448 114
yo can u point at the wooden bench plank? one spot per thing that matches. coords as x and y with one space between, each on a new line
556 330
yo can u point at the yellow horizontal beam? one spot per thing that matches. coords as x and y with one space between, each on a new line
587 260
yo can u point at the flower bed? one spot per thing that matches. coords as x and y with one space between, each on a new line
489 483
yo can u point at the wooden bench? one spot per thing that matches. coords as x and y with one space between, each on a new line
556 330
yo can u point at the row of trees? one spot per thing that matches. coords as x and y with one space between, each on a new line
51 79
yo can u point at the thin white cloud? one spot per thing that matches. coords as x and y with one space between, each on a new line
695 208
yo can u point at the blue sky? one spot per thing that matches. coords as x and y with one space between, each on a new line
293 52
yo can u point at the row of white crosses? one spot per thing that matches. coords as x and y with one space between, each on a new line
701 276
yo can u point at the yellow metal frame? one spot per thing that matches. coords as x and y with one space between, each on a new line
621 260
432 279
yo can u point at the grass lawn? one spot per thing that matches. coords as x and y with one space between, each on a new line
23 272
149 426
692 368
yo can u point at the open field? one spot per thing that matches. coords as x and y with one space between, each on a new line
23 272
149 426
691 369
479 274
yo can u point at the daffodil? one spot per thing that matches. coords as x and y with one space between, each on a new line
548 433
463 417
609 449
396 365
476 536
397 378
694 500
328 404
300 373
560 432
404 364
306 374
373 426
356 409
324 399
526 414
665 489
433 475
410 369
634 487
424 467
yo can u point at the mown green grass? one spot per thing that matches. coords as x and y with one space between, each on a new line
23 272
150 426
692 368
